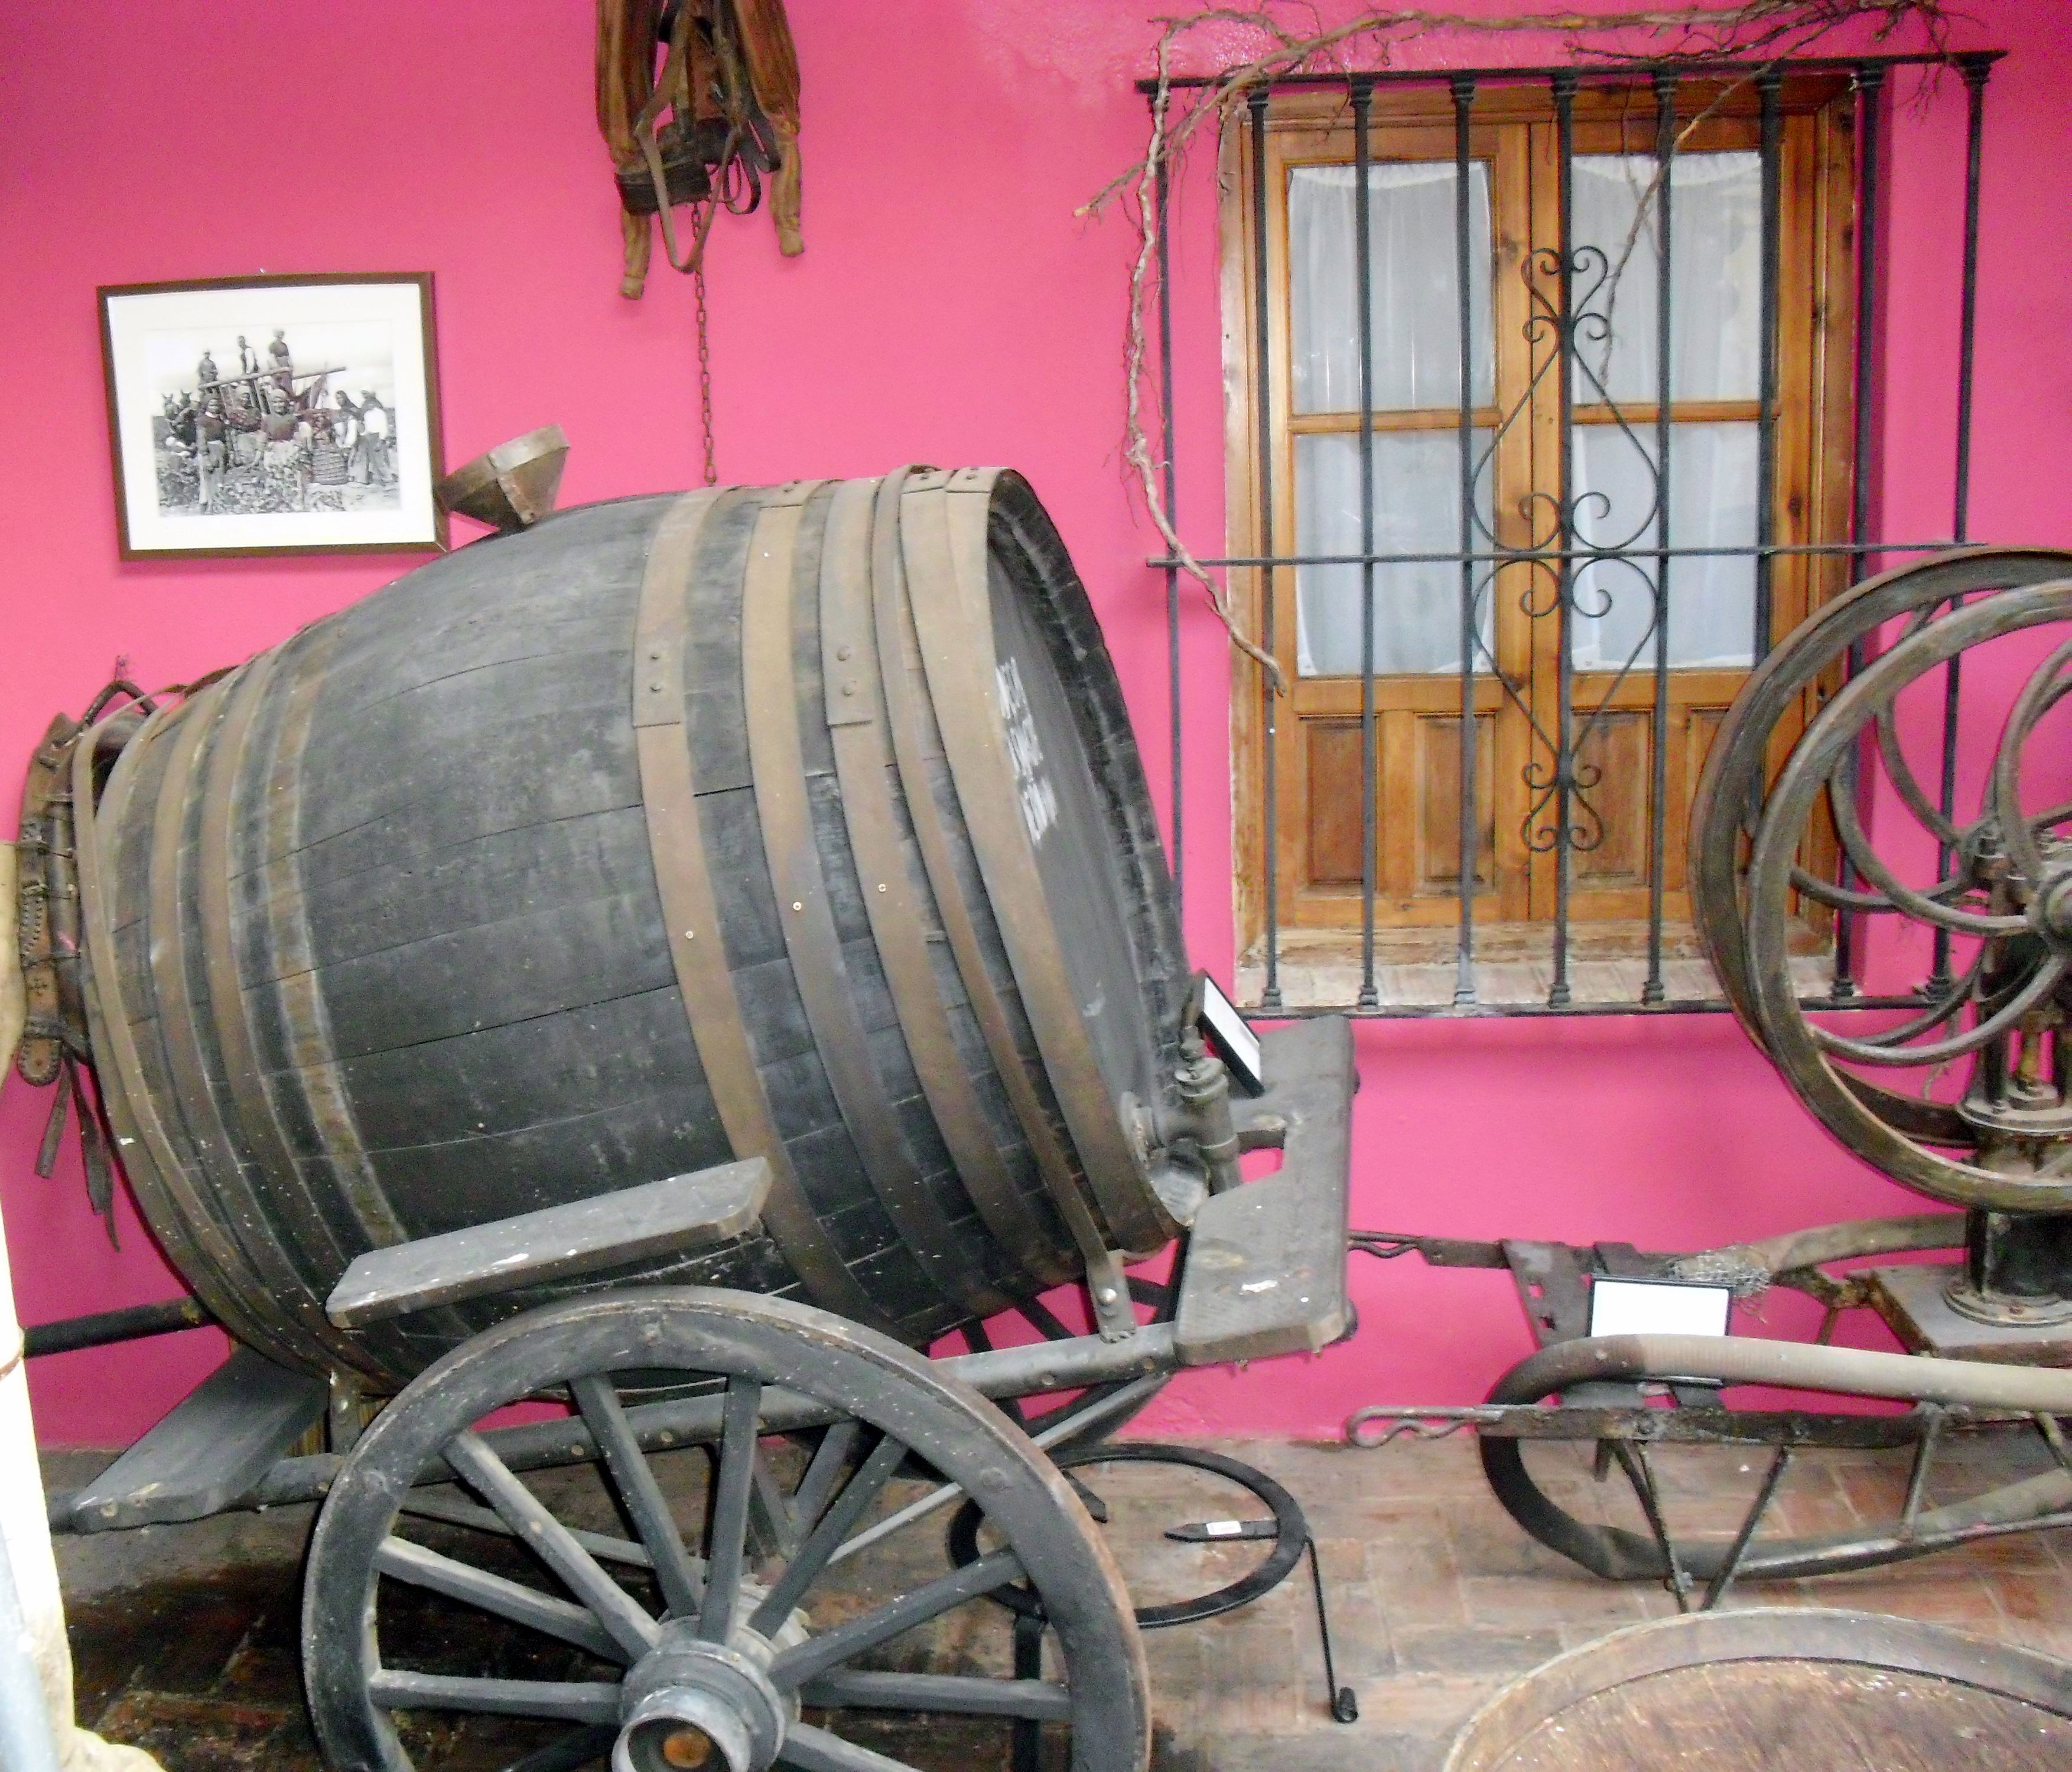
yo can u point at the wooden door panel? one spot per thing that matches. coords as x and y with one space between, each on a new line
1332 748
1438 825
1615 756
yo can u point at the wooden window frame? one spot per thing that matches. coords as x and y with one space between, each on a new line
1814 447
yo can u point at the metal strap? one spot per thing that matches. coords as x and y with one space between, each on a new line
267 1150
200 1251
280 1297
854 675
314 1073
942 529
777 759
668 790
894 621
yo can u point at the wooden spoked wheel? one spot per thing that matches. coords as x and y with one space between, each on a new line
737 1644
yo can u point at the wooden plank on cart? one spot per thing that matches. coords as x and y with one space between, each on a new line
680 1213
1265 1269
209 1451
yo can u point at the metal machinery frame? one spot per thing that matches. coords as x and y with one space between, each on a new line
1989 1335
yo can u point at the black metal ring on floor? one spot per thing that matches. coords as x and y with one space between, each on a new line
1290 1531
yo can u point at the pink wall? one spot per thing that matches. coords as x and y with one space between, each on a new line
951 307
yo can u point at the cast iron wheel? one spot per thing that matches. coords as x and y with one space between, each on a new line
2005 907
678 1678
1732 788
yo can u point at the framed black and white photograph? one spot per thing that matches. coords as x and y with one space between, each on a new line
273 415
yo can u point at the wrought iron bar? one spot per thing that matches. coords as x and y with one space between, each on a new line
1765 1493
1178 825
1769 86
1269 998
1564 84
1620 72
1652 990
1640 1472
1463 87
1571 564
1976 70
1869 82
1675 1006
1363 296
1869 78
1516 555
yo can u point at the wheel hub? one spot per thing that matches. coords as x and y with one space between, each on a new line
2051 908
691 1706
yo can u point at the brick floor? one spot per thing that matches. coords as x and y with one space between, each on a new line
185 1638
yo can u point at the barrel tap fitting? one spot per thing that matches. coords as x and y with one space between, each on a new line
1203 1115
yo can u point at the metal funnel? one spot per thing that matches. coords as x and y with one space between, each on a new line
511 486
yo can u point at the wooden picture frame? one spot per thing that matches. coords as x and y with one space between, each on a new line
273 415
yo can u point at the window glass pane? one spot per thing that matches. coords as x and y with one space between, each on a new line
1415 308
1417 511
1715 292
1712 504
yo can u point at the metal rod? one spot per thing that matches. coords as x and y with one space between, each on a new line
1369 761
1630 1005
1651 991
2054 1437
1917 1480
1716 1590
1344 1706
1564 84
1463 87
1768 86
1269 998
1178 825
1512 556
132 1323
1869 80
1976 69
1620 72
1640 1473
1870 87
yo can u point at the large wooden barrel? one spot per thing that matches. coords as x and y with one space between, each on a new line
804 822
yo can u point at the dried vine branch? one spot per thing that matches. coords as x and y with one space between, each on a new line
1768 30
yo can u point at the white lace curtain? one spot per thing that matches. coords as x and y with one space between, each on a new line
1414 312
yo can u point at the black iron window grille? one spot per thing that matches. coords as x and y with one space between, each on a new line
1616 551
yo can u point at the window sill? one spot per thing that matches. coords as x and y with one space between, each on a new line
1415 969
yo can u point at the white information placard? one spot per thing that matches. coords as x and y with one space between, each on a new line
1658 1307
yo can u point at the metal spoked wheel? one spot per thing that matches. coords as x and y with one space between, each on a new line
1732 790
746 1642
2002 908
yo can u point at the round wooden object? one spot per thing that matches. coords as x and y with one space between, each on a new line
802 822
1753 1691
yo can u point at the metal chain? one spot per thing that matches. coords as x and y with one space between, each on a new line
705 373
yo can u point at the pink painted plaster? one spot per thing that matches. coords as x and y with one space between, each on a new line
953 306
